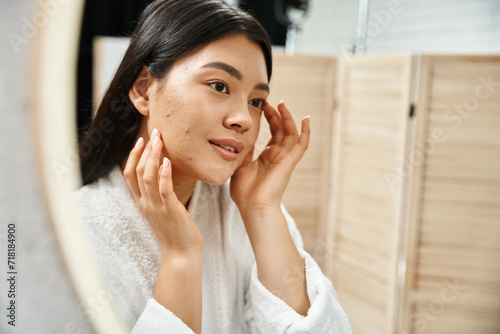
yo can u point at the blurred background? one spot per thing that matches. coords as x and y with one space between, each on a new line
397 198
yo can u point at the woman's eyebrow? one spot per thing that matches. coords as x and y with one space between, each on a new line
233 72
225 67
262 86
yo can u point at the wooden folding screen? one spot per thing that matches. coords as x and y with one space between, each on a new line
371 137
453 262
307 85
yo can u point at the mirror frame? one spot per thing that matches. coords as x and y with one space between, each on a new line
53 63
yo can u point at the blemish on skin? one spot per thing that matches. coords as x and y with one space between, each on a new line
189 157
168 115
186 130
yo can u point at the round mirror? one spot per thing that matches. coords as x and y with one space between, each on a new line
54 58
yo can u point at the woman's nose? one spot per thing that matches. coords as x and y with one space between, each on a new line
239 118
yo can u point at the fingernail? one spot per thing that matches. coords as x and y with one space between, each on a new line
282 101
154 133
139 142
165 163
156 140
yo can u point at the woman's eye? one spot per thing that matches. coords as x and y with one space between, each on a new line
257 103
219 86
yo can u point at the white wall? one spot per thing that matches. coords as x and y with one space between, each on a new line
437 26
329 24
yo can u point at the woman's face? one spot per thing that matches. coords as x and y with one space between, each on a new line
208 109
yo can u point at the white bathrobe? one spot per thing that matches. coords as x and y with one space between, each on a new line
234 300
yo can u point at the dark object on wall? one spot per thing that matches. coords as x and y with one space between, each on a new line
104 18
281 18
265 12
288 12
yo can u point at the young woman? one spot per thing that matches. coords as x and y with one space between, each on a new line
180 248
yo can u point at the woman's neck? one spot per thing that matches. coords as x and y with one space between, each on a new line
183 186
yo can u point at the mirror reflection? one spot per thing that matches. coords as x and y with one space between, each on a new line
211 206
184 217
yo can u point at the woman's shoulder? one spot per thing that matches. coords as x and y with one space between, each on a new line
110 213
107 195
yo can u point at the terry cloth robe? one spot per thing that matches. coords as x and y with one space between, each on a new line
234 300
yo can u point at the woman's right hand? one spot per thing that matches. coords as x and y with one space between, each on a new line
151 185
179 287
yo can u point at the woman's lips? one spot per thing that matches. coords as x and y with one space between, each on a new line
226 154
227 148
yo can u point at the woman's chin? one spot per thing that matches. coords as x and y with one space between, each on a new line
215 182
217 178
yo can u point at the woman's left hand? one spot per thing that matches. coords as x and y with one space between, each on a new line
260 184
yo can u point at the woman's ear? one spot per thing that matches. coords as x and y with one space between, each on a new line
138 94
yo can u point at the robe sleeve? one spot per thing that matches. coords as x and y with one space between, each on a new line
266 313
157 319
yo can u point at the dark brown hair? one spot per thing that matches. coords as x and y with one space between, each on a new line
167 31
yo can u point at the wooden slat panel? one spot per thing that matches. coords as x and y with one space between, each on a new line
371 136
458 320
307 84
367 319
435 319
453 260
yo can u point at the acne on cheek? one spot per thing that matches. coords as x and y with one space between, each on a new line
169 113
169 107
